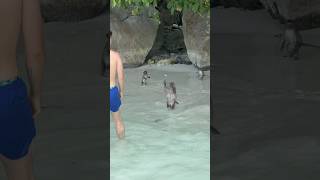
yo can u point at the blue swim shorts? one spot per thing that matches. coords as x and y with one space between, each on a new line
115 101
17 128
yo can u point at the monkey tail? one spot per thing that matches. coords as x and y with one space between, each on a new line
177 102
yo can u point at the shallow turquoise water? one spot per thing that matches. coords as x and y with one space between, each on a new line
162 144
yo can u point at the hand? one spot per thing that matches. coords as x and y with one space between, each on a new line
36 106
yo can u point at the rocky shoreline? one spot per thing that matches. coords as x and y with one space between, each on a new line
141 40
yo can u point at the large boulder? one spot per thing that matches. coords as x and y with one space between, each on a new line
196 30
132 36
245 4
72 10
305 15
169 42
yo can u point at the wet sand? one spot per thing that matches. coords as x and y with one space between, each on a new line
266 106
72 130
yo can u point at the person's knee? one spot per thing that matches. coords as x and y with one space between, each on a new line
117 115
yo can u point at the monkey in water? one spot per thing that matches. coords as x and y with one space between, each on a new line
200 74
145 76
291 41
171 94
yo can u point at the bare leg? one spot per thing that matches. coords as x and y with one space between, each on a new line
119 124
20 169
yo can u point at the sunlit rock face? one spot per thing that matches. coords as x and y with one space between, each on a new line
196 30
72 10
305 14
132 36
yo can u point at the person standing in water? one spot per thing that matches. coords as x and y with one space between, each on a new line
18 108
116 94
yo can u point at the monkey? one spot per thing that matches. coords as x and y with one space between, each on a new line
291 41
201 74
145 76
171 94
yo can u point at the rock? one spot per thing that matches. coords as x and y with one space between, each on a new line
196 30
166 17
305 15
245 4
169 38
170 59
71 10
169 41
132 36
166 61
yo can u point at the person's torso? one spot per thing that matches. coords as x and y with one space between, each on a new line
10 23
113 68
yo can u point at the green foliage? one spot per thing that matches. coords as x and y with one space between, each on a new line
197 6
156 17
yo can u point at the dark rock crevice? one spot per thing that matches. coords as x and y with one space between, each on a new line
169 41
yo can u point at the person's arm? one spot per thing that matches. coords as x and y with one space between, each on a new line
32 29
120 75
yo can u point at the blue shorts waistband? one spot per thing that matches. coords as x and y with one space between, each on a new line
114 86
8 82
